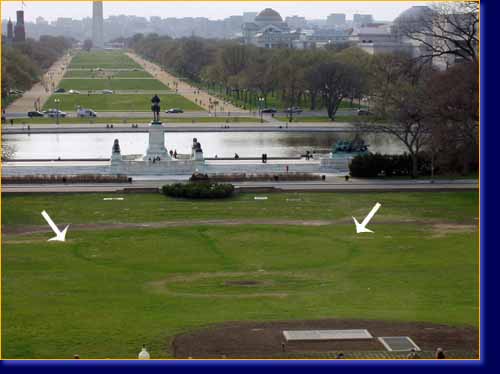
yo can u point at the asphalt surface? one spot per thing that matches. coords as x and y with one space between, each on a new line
332 183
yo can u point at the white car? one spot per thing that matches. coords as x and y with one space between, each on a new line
75 92
52 113
108 92
83 113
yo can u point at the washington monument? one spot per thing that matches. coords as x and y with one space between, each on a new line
97 25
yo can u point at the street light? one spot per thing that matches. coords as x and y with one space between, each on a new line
57 101
261 102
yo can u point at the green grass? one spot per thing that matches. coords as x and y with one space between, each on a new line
112 84
104 293
119 103
86 208
88 73
104 60
165 118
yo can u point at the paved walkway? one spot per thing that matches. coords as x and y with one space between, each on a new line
42 90
202 98
333 183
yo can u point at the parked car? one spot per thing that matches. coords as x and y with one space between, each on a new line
60 90
15 92
268 110
174 110
364 112
86 113
35 113
108 92
75 92
294 110
52 113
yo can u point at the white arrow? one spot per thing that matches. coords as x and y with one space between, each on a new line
60 235
361 227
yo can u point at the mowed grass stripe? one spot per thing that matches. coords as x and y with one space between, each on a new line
119 103
112 84
102 59
114 73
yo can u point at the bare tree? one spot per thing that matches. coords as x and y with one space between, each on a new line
399 92
444 29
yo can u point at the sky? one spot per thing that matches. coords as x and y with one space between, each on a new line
51 10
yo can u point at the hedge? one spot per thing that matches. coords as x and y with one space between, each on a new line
374 165
199 190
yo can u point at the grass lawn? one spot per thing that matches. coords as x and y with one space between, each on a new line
88 73
102 59
119 103
104 293
164 118
112 84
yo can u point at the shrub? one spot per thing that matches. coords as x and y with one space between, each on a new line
374 165
199 190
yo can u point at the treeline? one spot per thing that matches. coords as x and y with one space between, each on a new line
425 108
316 78
24 63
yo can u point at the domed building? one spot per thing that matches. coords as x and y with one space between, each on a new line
267 30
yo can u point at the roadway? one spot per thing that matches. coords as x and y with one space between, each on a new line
331 184
68 128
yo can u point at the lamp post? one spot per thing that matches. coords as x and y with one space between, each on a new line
57 101
261 102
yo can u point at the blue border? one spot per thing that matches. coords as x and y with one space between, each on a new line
490 207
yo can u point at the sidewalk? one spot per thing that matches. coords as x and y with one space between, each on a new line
43 90
183 88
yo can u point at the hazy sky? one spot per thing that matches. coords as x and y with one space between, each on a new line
50 10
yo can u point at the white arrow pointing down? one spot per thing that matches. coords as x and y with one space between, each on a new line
60 235
361 227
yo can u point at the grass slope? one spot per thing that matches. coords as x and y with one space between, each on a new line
104 293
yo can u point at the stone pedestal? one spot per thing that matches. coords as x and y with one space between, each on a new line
197 155
156 146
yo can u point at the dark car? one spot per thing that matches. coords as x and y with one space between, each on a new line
35 114
364 112
60 90
268 110
174 110
294 110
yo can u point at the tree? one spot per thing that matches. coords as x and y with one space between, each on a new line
445 29
338 81
400 99
87 45
453 107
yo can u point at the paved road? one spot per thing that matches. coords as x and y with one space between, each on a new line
40 91
189 114
332 183
182 127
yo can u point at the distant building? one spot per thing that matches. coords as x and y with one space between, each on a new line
97 25
336 20
249 16
267 31
362 19
296 22
10 31
41 21
19 31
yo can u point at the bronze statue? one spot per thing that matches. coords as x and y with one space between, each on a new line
196 145
155 108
